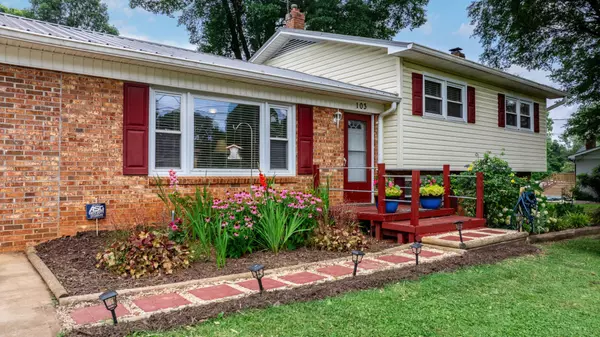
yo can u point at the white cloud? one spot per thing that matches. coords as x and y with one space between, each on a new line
427 28
465 30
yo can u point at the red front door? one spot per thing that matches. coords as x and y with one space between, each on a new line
357 151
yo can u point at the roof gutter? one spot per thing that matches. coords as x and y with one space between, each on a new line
380 131
369 94
464 62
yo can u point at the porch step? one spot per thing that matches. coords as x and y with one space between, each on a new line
406 232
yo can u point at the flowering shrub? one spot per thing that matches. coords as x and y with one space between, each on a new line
391 189
430 188
144 253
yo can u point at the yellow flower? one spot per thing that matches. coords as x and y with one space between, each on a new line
470 168
512 181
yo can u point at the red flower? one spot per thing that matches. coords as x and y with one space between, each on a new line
263 180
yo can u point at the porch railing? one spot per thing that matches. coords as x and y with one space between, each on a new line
415 199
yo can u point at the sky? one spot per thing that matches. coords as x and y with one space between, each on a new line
447 26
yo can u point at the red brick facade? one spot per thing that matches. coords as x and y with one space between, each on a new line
61 148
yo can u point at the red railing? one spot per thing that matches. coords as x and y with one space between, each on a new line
415 202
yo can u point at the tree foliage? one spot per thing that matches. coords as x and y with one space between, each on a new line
237 28
585 123
85 14
560 36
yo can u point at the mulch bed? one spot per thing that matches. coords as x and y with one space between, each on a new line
194 315
72 259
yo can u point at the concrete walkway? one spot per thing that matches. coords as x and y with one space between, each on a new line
25 304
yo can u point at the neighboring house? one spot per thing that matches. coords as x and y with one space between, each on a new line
586 159
88 117
451 108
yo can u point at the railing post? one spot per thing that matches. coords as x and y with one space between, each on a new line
381 188
447 186
316 177
415 198
479 203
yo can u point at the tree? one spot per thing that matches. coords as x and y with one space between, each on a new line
560 36
238 28
85 14
584 124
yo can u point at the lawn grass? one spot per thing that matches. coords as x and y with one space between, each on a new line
590 208
556 293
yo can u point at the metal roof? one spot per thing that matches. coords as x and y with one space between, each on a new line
51 30
410 51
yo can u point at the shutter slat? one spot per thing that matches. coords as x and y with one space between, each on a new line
536 117
471 105
135 129
417 94
305 139
501 110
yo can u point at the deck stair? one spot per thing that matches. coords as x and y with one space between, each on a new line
405 232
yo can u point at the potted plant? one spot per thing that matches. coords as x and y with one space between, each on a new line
392 192
431 193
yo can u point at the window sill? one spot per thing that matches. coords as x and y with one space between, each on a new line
442 118
216 181
511 129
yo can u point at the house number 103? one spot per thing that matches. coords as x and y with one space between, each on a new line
361 106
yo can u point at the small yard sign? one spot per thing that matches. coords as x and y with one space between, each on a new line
95 211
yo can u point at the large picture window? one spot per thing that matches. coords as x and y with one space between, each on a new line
519 114
197 135
444 98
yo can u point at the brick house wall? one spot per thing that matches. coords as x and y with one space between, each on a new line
61 146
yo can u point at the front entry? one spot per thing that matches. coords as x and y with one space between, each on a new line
357 152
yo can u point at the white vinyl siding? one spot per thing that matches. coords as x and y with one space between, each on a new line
361 65
133 71
430 142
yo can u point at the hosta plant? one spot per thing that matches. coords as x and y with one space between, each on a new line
144 253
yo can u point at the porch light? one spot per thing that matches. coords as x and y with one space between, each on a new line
416 249
357 256
258 271
459 227
337 118
110 302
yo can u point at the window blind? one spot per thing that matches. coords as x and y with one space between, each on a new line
279 138
168 131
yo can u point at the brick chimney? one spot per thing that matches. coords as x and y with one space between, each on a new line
294 19
590 144
457 52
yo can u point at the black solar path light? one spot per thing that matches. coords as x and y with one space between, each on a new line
110 302
416 249
357 256
258 271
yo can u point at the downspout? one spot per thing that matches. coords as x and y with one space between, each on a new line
380 131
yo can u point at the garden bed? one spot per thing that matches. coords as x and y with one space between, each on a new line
72 260
192 315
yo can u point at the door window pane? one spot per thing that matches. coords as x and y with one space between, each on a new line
357 150
226 135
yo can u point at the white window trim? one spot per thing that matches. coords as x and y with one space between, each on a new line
445 82
518 100
187 135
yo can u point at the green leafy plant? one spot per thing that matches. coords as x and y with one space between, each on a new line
277 225
431 188
144 253
391 189
588 185
339 239
221 241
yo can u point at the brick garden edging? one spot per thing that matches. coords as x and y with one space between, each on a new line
136 304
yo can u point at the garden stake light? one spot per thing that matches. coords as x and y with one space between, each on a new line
416 249
258 271
459 227
110 302
357 256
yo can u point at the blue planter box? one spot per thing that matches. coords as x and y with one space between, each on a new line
390 206
431 202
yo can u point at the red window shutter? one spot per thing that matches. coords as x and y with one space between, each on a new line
470 105
305 139
501 110
417 94
536 117
135 129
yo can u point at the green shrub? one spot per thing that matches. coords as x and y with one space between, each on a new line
144 253
561 209
591 182
595 217
578 220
